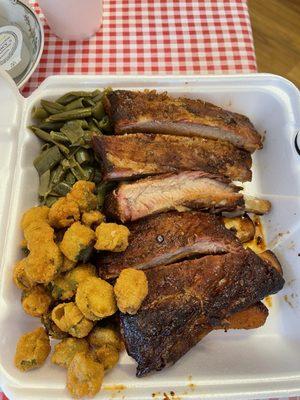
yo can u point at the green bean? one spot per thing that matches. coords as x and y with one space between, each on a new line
93 126
62 189
77 103
87 137
73 131
68 97
106 91
83 156
96 93
51 138
57 175
65 164
104 123
45 146
82 122
97 176
44 183
61 147
39 113
69 115
47 160
50 200
97 98
67 125
79 173
52 107
59 137
41 134
88 102
89 171
51 126
98 111
70 179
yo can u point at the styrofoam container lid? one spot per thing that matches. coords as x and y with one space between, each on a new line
251 364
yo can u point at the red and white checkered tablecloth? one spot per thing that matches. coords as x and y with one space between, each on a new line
156 37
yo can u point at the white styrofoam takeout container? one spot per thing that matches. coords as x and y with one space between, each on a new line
234 365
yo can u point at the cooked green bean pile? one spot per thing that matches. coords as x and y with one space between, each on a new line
66 125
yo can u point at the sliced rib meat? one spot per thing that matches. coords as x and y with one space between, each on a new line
188 190
150 112
166 238
138 155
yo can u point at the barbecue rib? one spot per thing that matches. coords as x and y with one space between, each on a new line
195 190
166 238
187 299
150 112
138 155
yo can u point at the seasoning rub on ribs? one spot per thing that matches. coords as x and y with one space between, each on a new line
151 112
187 299
166 238
138 155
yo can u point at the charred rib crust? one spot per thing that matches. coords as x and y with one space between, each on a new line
189 297
138 155
151 112
166 238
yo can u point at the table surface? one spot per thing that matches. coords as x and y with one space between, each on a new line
155 37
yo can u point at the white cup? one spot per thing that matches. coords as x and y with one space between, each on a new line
73 19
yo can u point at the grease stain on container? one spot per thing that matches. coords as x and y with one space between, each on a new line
115 387
277 238
258 243
291 245
170 396
115 390
287 300
155 394
268 301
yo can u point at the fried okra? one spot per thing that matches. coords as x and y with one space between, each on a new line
69 318
130 289
105 335
62 289
81 273
83 193
92 218
38 233
107 355
64 286
51 328
36 301
78 242
43 266
67 264
63 213
34 214
32 350
65 351
111 237
84 376
95 299
20 278
45 258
